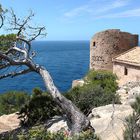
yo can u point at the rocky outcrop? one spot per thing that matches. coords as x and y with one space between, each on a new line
57 123
108 121
129 92
78 82
9 122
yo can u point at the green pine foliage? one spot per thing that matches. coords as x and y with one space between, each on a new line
38 133
99 89
104 79
39 108
12 101
6 41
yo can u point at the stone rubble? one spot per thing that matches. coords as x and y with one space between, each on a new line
129 92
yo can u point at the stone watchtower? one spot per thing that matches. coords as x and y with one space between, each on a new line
107 44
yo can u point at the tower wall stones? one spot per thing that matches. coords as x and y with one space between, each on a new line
107 44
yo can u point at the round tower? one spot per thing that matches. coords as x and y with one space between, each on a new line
107 44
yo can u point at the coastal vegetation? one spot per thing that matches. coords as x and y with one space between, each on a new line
96 92
39 133
12 101
38 109
6 41
40 106
99 89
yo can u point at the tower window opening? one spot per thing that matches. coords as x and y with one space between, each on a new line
125 71
94 44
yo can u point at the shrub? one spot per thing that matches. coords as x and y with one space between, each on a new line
104 79
6 41
42 134
99 89
132 131
36 92
39 108
11 102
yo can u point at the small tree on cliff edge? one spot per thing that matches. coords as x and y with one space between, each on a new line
20 54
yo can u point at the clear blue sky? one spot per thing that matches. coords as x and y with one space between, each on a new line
80 19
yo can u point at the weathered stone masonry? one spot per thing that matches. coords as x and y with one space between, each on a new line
107 44
127 66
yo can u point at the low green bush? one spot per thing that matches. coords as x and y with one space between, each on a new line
6 41
99 89
12 101
42 134
39 108
104 79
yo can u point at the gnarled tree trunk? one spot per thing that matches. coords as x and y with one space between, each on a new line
77 119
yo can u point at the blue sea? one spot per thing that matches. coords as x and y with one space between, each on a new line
65 60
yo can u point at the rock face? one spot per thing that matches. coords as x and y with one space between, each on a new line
107 44
109 121
9 122
79 82
129 92
57 123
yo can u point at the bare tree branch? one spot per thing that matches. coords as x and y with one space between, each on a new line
39 30
25 41
11 61
13 74
2 12
14 48
2 20
21 26
3 66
